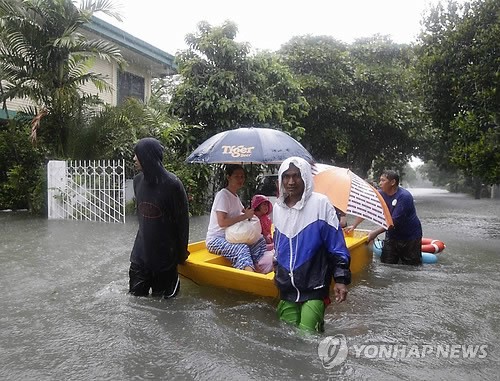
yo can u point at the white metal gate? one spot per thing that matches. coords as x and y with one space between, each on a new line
86 190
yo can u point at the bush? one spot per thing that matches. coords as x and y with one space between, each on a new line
21 169
130 209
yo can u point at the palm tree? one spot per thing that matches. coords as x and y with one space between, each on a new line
45 59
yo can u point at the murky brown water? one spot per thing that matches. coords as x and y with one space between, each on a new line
65 312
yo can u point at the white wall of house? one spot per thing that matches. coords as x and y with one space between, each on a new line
136 64
110 72
17 104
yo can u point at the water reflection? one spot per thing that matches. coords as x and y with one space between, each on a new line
66 313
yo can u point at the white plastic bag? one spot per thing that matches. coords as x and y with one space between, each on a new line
266 262
246 231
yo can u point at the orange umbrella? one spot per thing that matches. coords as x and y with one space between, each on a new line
351 194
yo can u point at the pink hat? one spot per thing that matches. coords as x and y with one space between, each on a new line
259 199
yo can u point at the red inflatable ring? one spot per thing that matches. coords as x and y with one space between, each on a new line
430 245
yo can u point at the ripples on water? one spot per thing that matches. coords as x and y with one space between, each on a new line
66 313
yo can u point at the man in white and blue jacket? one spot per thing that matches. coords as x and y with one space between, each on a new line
310 248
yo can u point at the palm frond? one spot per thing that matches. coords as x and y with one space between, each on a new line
46 59
15 44
9 8
104 6
104 49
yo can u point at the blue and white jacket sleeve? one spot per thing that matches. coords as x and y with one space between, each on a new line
339 258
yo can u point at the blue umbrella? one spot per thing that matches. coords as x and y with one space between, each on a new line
249 145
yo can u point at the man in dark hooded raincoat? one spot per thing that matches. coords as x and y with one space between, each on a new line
162 240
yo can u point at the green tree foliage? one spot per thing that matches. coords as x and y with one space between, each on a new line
222 85
21 169
459 63
45 58
387 106
363 106
113 133
409 175
324 69
476 148
453 180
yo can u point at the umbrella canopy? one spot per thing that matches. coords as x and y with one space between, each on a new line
351 194
249 145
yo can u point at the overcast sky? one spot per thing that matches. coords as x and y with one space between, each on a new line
269 24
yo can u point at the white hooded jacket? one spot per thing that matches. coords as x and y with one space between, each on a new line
309 243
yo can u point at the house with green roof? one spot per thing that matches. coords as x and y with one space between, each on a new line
143 63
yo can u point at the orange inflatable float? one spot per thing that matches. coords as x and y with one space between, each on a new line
430 245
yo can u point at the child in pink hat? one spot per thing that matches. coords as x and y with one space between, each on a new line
262 208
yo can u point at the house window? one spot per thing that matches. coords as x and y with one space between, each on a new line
129 86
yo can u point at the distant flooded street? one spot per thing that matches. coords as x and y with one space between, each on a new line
66 314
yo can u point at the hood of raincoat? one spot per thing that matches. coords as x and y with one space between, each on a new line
259 199
305 173
149 152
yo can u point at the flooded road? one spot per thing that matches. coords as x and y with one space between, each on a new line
66 314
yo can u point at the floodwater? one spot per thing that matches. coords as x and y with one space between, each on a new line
66 315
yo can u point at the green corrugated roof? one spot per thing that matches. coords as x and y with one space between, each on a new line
123 38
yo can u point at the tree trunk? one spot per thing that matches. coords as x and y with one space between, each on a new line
477 188
495 191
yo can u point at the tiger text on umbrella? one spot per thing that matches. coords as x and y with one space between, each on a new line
237 151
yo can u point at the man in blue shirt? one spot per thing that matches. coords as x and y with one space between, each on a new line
403 242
